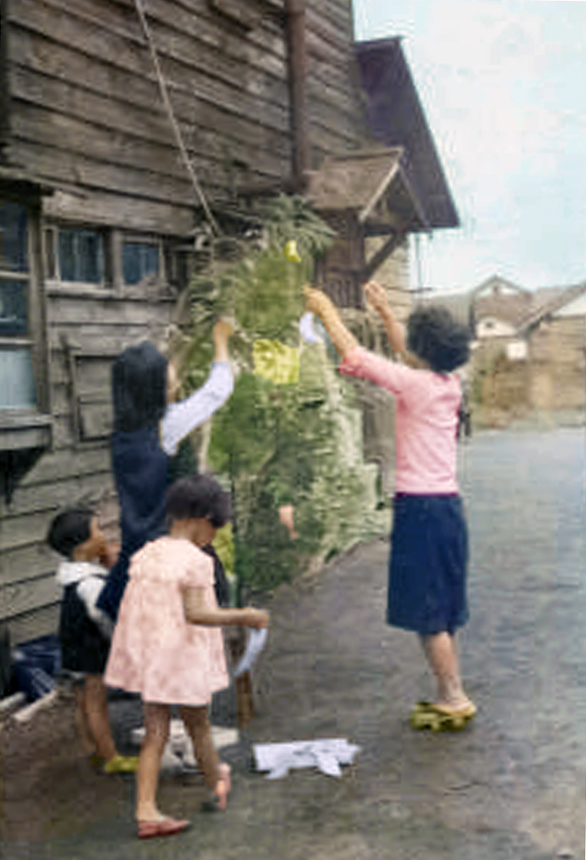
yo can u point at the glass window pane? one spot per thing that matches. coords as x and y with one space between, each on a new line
138 261
13 237
81 256
12 307
17 384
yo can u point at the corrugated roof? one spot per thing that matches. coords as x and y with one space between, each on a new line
396 118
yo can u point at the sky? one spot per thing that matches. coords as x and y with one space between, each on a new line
503 87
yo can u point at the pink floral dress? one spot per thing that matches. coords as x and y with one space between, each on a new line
155 651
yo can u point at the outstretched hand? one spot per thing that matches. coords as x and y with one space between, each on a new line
222 330
376 296
256 617
315 300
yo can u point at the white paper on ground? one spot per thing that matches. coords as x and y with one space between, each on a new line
327 755
256 642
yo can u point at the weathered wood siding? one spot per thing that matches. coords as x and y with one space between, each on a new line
86 115
74 472
86 108
335 113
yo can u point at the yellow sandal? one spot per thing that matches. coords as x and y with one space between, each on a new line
440 718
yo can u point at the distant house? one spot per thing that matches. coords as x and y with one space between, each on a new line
132 131
529 346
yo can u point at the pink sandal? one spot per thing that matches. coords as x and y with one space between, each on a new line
160 827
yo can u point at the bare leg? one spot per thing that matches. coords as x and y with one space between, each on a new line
196 723
442 657
95 703
81 723
156 721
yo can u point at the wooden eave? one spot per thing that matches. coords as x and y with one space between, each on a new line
371 185
396 118
21 182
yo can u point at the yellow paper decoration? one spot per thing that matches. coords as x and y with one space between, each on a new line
291 251
276 361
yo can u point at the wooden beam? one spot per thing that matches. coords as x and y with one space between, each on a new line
381 255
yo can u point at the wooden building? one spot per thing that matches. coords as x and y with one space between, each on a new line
529 352
131 131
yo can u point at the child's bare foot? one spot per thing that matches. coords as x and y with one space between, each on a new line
223 786
160 826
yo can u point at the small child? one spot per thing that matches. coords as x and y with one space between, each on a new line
429 545
168 646
85 631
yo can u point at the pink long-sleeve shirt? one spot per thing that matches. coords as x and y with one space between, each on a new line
426 420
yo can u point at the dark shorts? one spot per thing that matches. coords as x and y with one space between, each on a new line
427 566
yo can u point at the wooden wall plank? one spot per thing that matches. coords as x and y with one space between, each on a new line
41 621
55 494
18 598
26 563
111 78
237 62
142 140
115 210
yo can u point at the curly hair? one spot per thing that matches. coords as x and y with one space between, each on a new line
198 496
437 338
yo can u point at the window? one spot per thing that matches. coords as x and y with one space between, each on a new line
17 386
75 255
140 260
25 432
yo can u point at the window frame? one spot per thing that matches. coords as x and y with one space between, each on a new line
29 427
50 249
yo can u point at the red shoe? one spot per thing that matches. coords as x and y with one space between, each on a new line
161 827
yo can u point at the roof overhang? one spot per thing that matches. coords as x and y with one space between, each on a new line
395 118
19 180
372 185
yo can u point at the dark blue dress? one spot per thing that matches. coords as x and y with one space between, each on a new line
141 470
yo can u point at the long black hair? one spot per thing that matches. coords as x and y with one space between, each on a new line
436 337
139 387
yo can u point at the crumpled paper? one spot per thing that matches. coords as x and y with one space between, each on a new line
328 755
255 644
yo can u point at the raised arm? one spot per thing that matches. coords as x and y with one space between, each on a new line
197 613
395 332
183 417
319 304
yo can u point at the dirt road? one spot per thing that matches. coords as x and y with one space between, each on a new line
510 786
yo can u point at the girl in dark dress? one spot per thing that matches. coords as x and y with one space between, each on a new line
148 426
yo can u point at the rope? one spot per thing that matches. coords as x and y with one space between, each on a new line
175 125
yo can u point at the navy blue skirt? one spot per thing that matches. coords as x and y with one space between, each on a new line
427 566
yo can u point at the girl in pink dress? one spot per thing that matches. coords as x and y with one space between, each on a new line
168 645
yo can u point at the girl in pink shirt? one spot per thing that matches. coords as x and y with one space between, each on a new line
429 542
